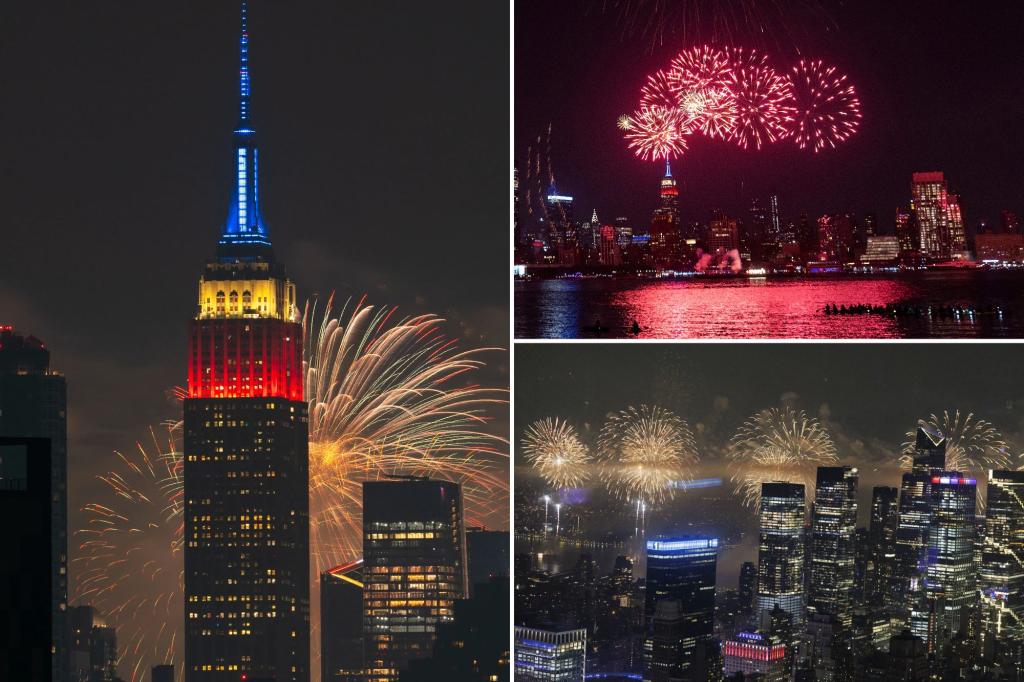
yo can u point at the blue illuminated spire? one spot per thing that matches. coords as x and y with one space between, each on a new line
668 169
245 234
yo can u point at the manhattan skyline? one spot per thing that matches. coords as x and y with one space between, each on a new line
588 68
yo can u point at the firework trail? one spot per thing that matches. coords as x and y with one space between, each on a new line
656 133
387 396
778 445
827 107
130 566
973 446
556 452
644 450
729 21
763 101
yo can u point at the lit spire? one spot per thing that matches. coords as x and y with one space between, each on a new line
243 67
668 169
245 234
593 218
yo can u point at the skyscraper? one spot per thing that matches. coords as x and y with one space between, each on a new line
939 220
833 523
246 486
881 546
950 576
26 633
665 235
1001 580
550 656
414 553
680 570
915 514
780 559
33 404
1001 577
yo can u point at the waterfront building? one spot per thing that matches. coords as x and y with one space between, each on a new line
939 220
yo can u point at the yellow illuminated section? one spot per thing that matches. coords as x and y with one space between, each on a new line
243 293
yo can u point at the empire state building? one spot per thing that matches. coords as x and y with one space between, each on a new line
246 470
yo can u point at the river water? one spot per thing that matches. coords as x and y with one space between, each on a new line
785 307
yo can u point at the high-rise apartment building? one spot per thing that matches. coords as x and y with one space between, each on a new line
246 481
33 404
414 569
939 219
754 653
780 559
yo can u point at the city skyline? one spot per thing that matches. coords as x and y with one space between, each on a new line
868 400
908 125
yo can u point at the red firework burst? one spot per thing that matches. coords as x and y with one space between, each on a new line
656 133
763 100
659 92
700 68
827 107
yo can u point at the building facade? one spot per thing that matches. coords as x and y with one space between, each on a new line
33 404
246 459
780 558
414 570
341 623
680 571
1001 578
550 656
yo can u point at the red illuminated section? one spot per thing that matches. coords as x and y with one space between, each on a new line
245 358
755 652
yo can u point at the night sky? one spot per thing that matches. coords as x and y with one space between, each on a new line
382 172
867 395
940 85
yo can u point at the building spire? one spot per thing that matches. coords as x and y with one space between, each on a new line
668 168
245 234
243 67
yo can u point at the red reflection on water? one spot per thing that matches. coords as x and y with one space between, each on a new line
757 309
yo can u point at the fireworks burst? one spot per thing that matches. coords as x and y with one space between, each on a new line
973 446
763 100
827 107
645 450
734 94
555 451
387 396
657 133
130 566
778 445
